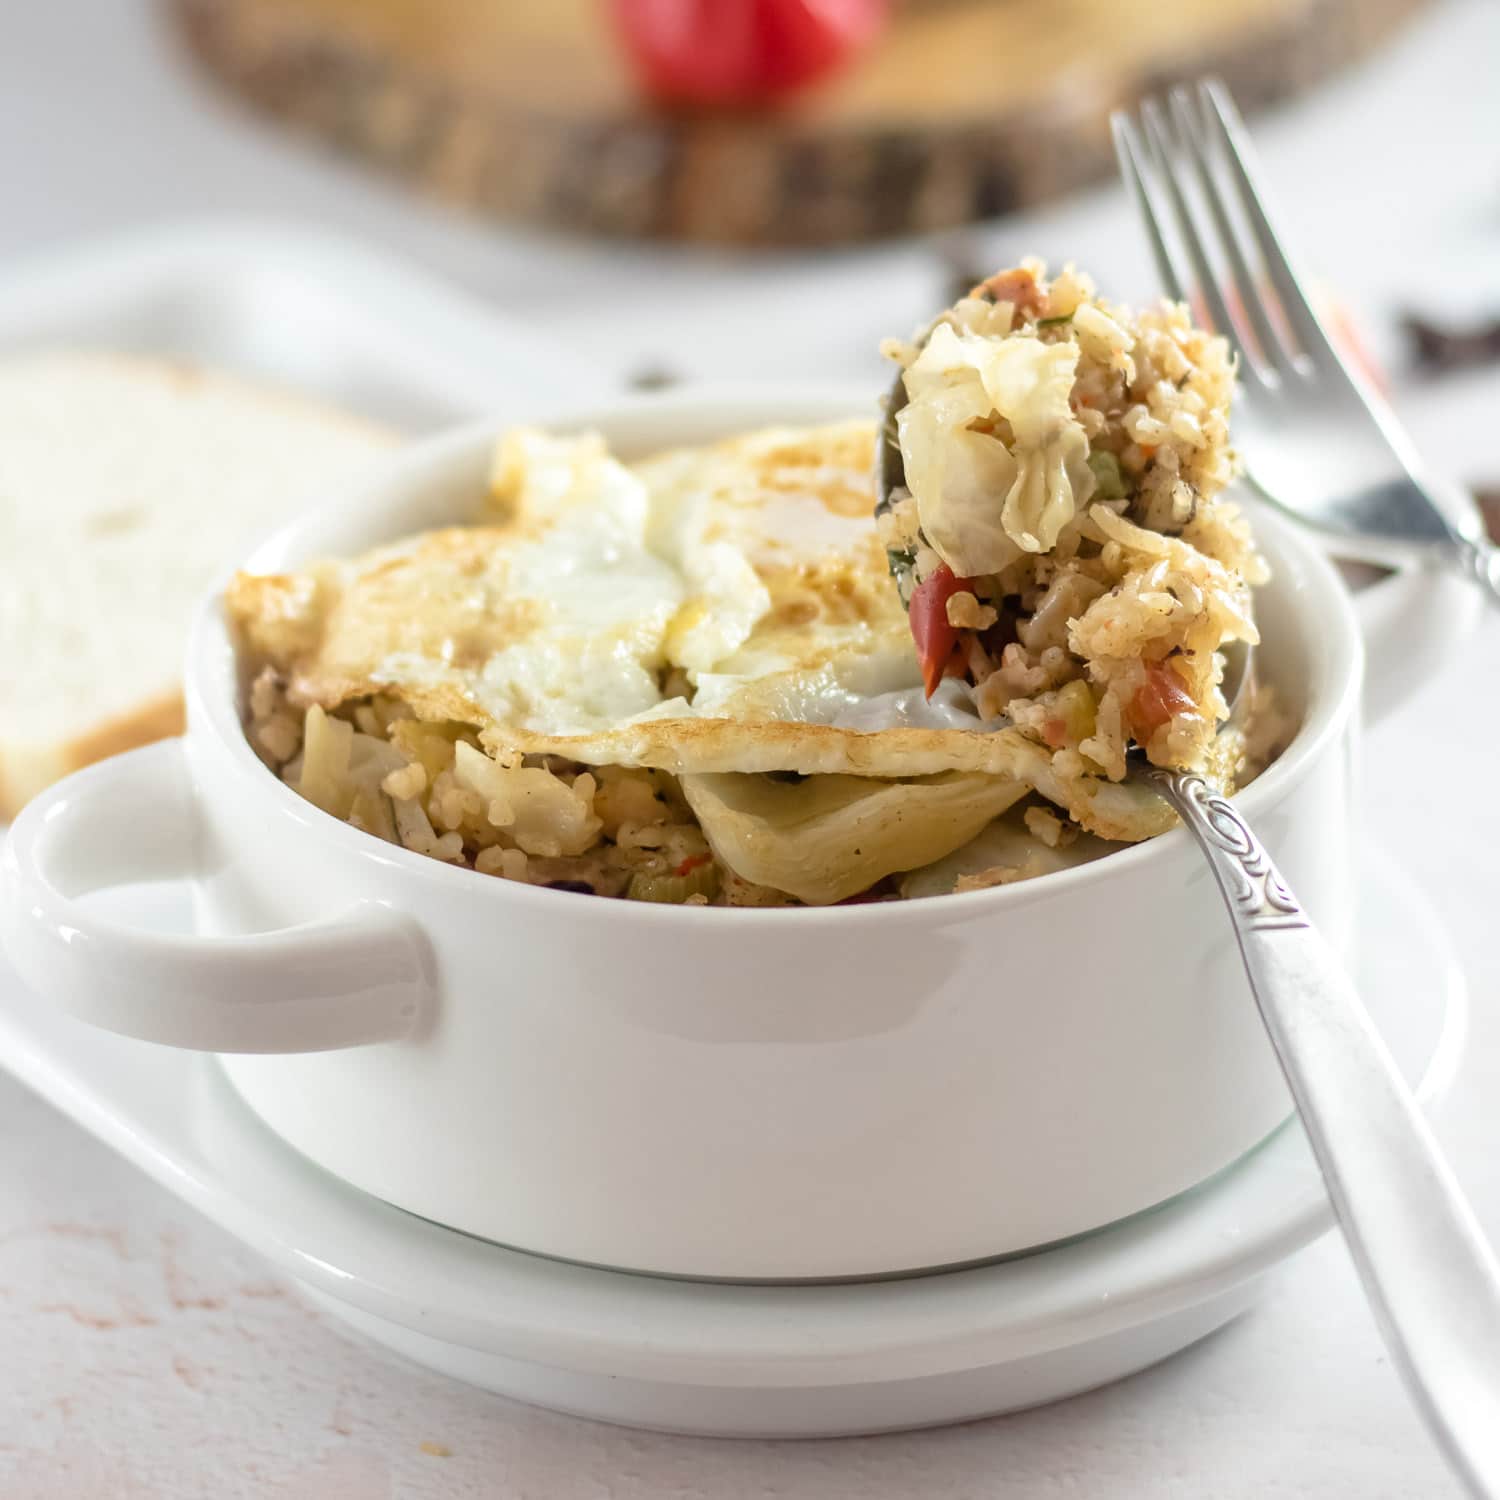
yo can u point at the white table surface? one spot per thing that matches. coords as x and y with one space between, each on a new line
146 1354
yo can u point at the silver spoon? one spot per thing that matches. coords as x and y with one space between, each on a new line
1429 1275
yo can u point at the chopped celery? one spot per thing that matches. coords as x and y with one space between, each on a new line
701 880
1109 483
1074 705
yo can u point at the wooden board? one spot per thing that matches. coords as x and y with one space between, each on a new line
967 109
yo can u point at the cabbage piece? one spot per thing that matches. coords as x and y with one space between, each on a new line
829 837
959 484
956 475
1007 844
543 814
327 744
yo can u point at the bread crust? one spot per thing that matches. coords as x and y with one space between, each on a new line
29 767
158 718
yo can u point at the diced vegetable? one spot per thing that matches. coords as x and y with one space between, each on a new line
673 888
935 638
1018 286
1073 714
1109 483
1160 698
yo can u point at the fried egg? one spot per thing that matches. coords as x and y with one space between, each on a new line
712 611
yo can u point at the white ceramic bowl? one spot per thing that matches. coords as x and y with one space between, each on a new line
744 1094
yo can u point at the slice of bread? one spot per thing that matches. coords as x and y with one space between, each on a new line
126 484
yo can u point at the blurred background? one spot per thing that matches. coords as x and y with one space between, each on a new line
672 189
425 209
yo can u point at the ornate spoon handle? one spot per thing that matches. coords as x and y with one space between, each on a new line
1428 1273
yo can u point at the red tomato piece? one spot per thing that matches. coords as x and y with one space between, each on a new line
935 638
1016 286
740 51
1158 699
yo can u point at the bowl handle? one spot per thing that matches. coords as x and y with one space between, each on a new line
362 976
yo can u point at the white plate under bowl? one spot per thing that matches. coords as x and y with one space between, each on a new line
728 1359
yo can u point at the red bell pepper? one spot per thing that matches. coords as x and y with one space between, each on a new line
935 638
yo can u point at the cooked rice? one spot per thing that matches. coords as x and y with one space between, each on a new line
1088 600
430 788
1121 570
601 830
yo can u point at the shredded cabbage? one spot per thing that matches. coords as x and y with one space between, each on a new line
955 475
830 837
979 502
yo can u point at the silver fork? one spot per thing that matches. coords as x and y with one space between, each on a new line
1323 445
1326 449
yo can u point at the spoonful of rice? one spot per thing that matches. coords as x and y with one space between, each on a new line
1050 481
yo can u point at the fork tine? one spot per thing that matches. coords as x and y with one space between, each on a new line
1159 133
1234 145
1191 130
1129 151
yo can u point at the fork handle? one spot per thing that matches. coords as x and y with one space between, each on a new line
1429 1275
1480 560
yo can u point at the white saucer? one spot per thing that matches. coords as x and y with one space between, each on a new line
731 1359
